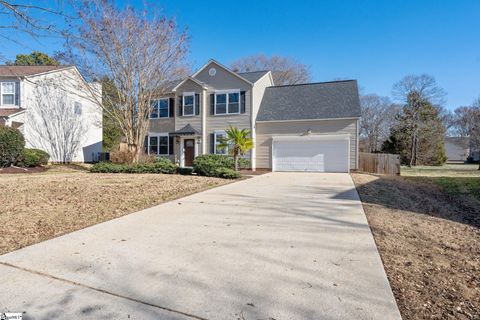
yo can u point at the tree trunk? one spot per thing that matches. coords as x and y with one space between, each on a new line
413 150
235 159
135 152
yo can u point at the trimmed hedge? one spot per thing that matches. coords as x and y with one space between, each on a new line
226 173
34 157
216 165
207 164
161 165
11 146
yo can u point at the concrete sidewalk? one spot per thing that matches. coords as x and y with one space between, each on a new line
277 246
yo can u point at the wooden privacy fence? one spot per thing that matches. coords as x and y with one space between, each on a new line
382 163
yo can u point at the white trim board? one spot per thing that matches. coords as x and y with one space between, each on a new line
297 120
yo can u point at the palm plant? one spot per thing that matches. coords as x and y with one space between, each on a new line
237 141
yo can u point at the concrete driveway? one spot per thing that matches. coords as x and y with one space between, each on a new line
277 246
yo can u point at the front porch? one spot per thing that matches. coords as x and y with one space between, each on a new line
187 145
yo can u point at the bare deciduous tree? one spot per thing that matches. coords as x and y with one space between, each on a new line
417 92
35 18
54 123
138 52
378 117
466 123
424 85
284 70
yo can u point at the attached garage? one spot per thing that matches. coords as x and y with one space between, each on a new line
328 153
308 127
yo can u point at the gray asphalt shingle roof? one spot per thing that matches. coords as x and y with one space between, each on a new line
22 71
253 76
324 100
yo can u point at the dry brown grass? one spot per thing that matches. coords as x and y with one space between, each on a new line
429 242
39 206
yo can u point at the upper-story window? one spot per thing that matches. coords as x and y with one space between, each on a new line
188 104
160 108
227 102
7 92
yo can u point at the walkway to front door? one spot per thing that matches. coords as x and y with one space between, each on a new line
189 149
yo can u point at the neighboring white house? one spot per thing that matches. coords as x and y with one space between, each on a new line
55 109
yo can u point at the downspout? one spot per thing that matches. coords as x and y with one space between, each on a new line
357 145
253 152
204 121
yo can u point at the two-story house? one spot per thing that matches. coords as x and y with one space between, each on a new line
55 109
306 127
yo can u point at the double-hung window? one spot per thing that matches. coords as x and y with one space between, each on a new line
160 108
7 92
219 137
158 144
188 104
227 102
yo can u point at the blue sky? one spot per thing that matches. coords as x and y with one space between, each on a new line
375 42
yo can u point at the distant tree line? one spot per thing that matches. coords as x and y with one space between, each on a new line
416 126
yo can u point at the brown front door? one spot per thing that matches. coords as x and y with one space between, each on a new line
189 149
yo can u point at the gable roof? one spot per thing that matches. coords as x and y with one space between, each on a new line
200 83
253 76
223 67
323 100
185 131
24 71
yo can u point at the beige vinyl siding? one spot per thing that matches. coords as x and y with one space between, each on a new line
258 92
195 121
222 80
222 122
265 131
164 124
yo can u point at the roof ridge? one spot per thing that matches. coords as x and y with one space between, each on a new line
254 71
312 83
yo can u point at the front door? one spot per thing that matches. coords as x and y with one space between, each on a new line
189 149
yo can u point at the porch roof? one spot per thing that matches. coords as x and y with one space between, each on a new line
188 130
6 112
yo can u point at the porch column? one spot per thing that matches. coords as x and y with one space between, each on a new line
204 121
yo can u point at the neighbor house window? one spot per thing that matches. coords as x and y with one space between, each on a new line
77 109
8 92
158 144
227 102
188 104
219 136
160 109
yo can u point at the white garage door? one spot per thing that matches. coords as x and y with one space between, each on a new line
322 154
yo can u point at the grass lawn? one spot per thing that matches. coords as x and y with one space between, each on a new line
39 206
426 225
455 179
